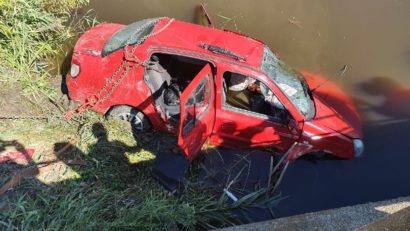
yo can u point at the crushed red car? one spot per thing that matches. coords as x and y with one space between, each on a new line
208 85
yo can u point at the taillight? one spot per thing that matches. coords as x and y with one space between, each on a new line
75 70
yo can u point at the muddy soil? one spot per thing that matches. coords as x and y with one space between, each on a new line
13 102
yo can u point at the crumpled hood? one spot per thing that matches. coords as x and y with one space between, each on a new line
334 109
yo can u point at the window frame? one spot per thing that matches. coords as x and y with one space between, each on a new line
109 47
188 126
253 114
300 77
177 52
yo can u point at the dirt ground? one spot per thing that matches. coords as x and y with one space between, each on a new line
14 102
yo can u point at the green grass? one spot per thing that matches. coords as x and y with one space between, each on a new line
113 191
32 31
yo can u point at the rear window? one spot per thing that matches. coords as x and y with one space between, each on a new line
121 37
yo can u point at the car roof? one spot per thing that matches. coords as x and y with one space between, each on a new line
188 36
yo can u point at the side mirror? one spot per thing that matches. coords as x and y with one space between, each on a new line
293 126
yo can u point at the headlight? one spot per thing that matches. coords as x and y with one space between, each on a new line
75 70
358 148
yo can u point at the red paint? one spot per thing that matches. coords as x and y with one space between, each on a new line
21 157
333 129
203 116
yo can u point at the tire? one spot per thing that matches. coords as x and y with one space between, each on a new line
138 120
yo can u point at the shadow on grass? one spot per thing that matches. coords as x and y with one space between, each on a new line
20 156
111 189
107 192
107 161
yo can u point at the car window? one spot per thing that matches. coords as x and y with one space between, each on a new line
197 104
249 95
119 39
291 82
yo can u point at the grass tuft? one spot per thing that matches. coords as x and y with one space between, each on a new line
30 33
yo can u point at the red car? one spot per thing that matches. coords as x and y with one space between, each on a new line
208 85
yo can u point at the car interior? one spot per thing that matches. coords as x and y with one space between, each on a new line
255 97
168 76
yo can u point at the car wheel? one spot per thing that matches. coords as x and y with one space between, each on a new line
138 120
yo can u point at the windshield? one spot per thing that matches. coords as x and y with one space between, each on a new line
291 82
119 39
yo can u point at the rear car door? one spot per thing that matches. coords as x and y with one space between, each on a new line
197 113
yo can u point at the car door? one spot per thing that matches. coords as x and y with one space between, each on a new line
197 113
240 128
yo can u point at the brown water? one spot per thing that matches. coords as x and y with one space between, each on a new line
371 37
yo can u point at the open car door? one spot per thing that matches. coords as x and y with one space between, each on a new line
197 113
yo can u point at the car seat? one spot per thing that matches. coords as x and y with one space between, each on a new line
158 79
158 76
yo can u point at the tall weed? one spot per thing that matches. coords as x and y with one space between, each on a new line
30 32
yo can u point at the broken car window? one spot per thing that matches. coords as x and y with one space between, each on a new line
200 93
197 104
121 37
292 84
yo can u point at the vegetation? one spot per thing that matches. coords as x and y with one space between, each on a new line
112 188
32 31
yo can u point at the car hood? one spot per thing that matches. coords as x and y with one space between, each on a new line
334 109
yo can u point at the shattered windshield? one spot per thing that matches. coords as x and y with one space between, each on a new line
120 38
292 84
